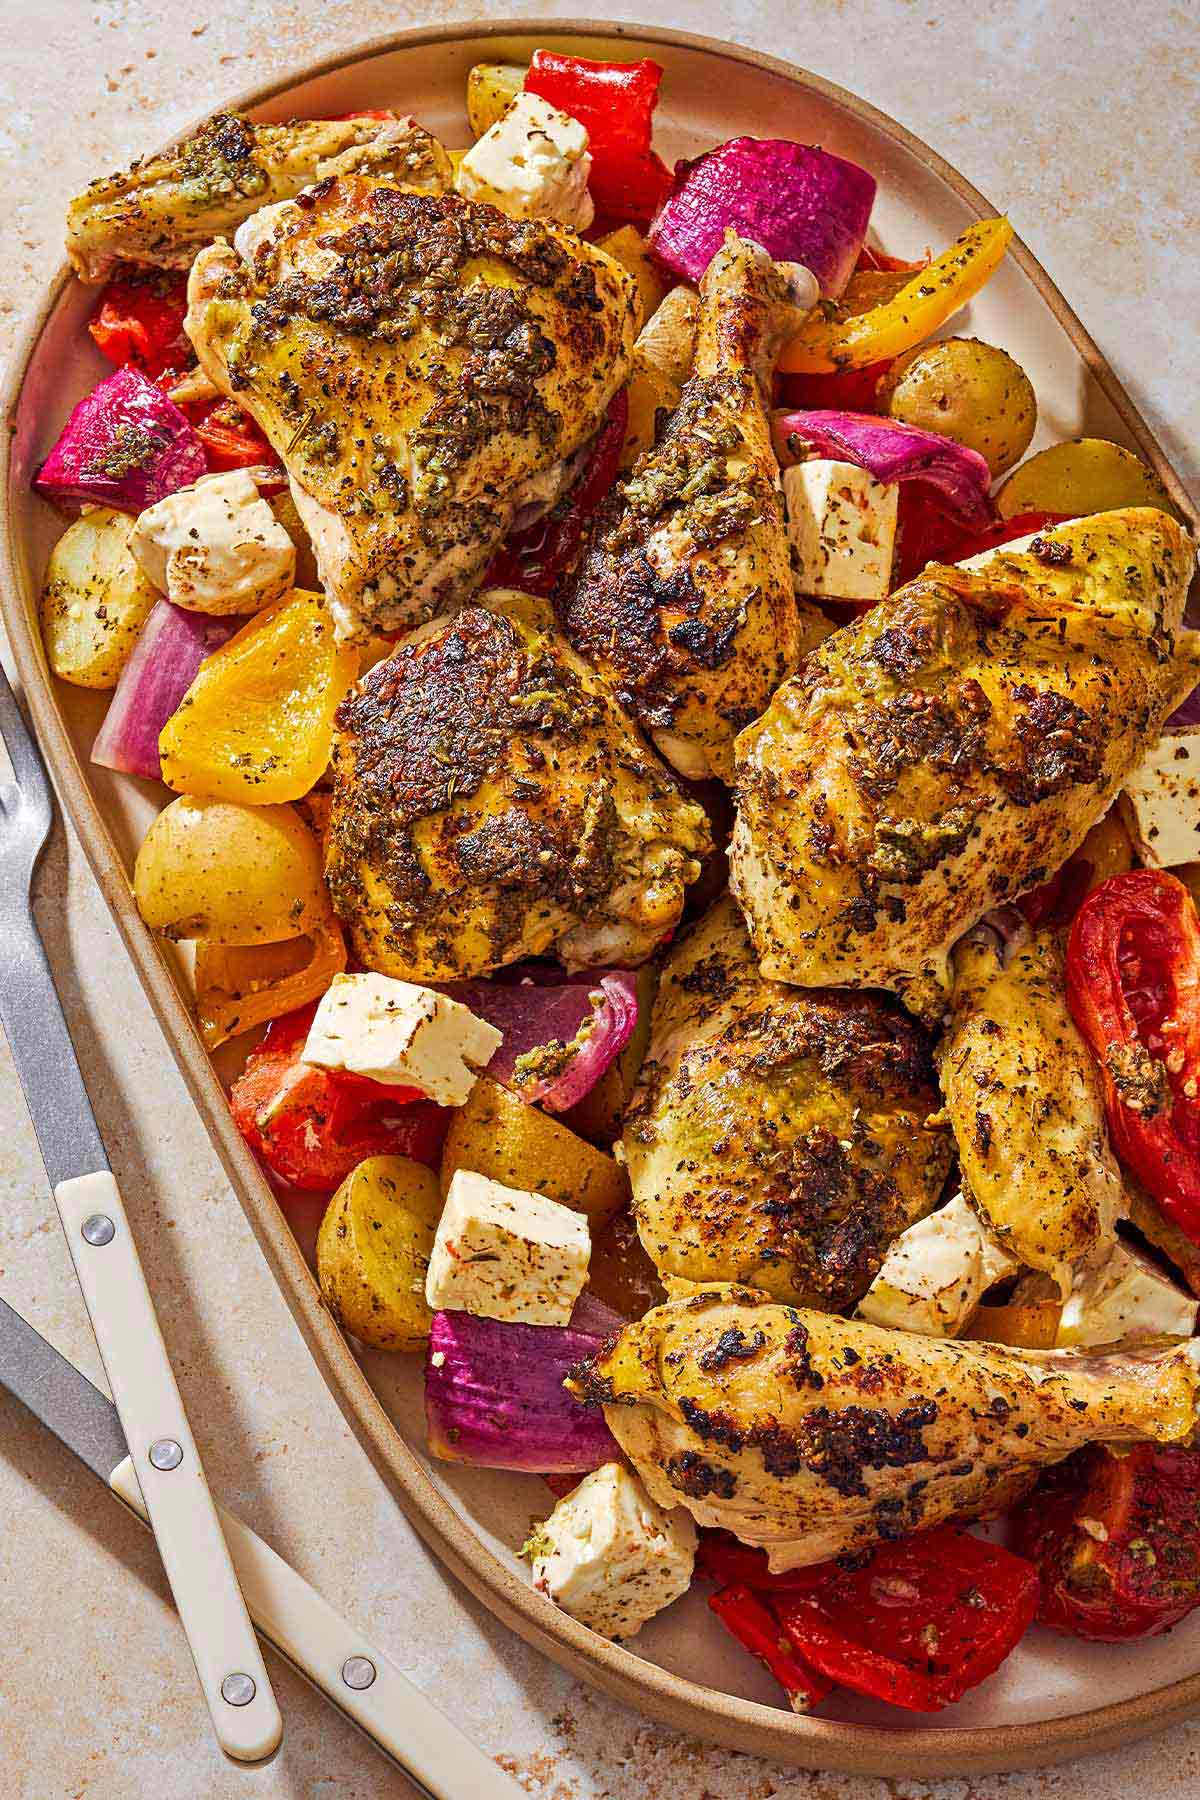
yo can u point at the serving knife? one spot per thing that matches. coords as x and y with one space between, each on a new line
233 1676
361 1682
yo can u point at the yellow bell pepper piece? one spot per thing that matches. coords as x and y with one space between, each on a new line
256 724
240 986
831 341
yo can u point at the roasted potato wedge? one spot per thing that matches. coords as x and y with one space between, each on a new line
373 1251
230 874
1084 475
491 90
627 245
95 600
498 1135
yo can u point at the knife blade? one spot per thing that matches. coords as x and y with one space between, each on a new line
362 1683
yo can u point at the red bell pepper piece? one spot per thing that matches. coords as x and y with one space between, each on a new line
849 390
615 103
758 1631
1055 902
1116 1541
1133 986
363 112
230 437
536 559
927 531
721 1558
311 1126
919 1623
140 320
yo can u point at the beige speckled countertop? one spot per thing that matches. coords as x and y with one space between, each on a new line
1078 116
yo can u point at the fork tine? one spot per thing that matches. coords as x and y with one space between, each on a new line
29 771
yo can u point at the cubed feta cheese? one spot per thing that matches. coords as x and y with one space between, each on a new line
407 1036
533 163
1125 1301
611 1557
504 1254
842 527
1161 801
936 1272
216 546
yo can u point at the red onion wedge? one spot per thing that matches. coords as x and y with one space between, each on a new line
494 1394
891 452
126 445
799 202
170 648
559 1036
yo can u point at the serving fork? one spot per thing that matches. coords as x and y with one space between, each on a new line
143 1447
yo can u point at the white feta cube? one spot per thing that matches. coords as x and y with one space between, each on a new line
215 547
404 1035
1161 801
611 1557
533 163
502 1253
842 527
1126 1301
936 1272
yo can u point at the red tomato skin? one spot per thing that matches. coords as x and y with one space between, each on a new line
1133 987
140 320
1133 1569
312 1127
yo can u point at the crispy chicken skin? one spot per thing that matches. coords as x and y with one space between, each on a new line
685 596
777 1135
165 208
424 365
813 1435
491 801
945 752
1022 1093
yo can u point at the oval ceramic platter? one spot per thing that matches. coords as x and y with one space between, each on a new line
1054 1698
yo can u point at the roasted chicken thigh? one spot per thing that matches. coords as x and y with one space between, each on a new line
1022 1093
813 1435
685 597
491 801
425 366
778 1135
165 208
953 746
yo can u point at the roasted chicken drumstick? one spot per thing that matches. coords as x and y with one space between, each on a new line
812 1435
685 598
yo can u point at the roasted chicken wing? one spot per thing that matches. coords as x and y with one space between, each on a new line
425 366
813 1435
948 749
685 596
167 207
778 1135
491 801
1027 1108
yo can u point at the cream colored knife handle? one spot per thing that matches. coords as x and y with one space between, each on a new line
359 1679
180 1508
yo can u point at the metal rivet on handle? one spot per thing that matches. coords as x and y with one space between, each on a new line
165 1453
358 1672
238 1689
98 1230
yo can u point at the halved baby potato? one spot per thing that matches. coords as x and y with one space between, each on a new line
497 1135
230 874
373 1251
1081 476
95 600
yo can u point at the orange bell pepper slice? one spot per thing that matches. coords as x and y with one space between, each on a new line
243 985
256 725
831 340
